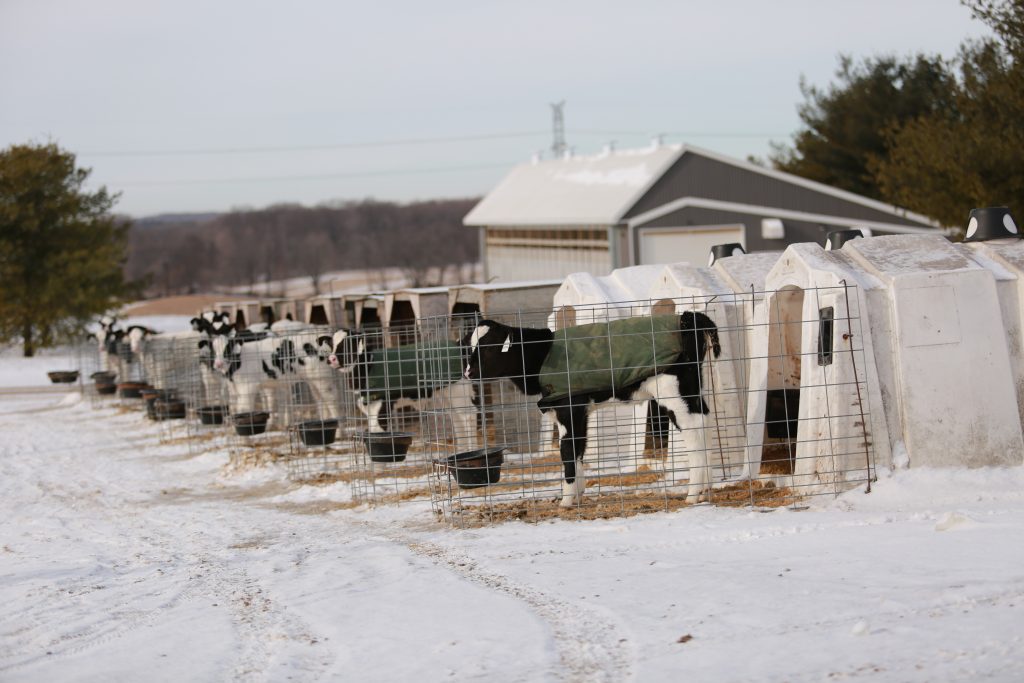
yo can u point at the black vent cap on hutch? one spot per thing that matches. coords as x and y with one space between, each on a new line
723 251
991 223
837 238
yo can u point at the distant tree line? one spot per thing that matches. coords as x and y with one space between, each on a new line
931 135
239 248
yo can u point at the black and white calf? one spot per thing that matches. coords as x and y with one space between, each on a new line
378 395
108 338
495 351
258 364
212 323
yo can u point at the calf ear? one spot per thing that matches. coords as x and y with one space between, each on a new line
204 343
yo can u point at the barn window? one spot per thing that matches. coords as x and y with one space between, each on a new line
826 317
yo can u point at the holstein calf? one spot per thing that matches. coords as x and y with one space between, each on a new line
647 358
256 364
422 376
107 339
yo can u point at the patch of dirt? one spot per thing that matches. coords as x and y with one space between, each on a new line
182 496
315 507
622 504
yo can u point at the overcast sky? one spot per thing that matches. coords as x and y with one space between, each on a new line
192 105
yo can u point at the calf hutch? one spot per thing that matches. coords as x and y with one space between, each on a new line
900 342
326 311
404 307
661 204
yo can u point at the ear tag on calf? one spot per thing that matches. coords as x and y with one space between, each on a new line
507 345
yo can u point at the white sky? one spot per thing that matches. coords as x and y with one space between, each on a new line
110 77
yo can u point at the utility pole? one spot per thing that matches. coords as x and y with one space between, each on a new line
558 126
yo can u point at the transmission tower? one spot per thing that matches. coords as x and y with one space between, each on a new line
558 130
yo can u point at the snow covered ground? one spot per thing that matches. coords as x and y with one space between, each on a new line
124 557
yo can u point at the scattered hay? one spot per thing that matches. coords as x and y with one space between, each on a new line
349 476
314 507
615 505
193 438
401 496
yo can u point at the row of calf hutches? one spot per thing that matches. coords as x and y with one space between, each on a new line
925 343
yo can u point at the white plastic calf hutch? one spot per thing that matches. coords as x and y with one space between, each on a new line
917 372
1005 259
404 307
326 311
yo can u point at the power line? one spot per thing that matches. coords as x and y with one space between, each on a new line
311 148
323 176
684 134
410 141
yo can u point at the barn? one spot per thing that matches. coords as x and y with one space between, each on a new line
660 204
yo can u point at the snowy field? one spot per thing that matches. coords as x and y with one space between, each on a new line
124 557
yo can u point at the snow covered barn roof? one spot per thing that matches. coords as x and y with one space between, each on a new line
579 190
636 186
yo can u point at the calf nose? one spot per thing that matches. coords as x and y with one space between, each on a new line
333 360
219 363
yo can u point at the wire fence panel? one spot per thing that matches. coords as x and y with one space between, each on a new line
753 399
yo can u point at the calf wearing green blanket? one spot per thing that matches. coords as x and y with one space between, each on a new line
655 358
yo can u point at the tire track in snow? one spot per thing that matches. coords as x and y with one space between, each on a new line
590 646
264 629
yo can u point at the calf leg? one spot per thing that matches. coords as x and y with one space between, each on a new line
665 390
572 431
377 413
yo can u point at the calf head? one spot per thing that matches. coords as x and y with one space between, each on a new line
225 352
107 325
137 335
346 349
213 323
492 350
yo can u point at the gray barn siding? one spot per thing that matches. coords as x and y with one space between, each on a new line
697 176
796 231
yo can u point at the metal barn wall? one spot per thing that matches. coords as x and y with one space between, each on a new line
697 176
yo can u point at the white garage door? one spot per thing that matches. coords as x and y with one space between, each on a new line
691 244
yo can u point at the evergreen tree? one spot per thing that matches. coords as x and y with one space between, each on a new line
971 154
845 127
61 250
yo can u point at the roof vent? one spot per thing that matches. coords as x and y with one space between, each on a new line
837 238
723 251
992 223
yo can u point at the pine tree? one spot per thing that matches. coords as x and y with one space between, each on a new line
846 126
971 154
61 250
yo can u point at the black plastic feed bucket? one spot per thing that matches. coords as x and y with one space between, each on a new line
387 446
212 415
474 469
151 396
131 389
106 388
250 424
63 376
318 432
169 409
